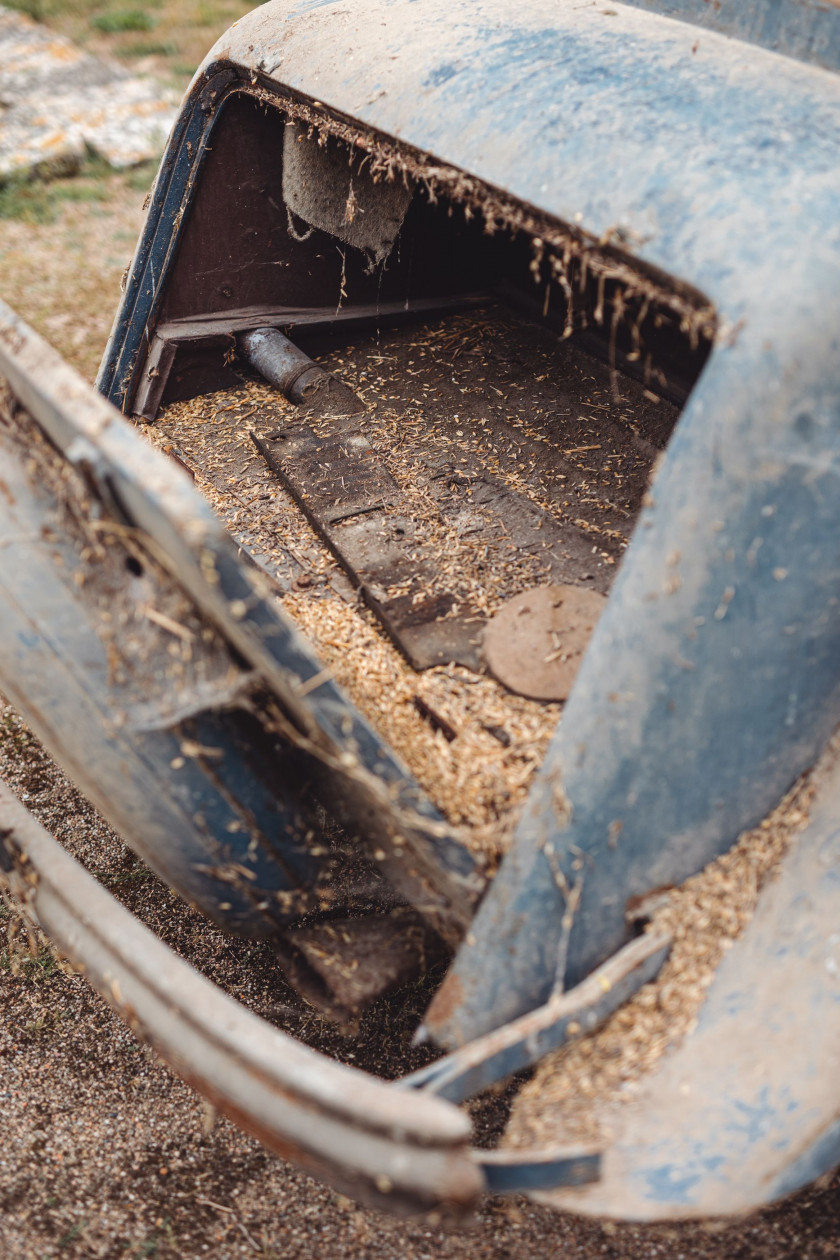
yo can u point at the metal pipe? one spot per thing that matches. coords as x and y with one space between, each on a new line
283 364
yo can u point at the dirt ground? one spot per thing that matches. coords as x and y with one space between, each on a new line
105 1153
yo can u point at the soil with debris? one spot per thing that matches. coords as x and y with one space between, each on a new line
107 1154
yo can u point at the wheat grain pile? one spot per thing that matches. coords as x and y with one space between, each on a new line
572 1088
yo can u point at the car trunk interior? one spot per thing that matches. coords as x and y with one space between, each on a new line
444 521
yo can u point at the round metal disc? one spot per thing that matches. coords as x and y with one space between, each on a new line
535 642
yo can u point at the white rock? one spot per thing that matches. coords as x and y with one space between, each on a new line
56 102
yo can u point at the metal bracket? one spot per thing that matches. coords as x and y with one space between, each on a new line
520 1044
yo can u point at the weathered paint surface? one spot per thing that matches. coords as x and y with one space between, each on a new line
746 1111
712 679
806 29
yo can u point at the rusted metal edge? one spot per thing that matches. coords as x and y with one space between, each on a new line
388 1147
421 854
518 1045
194 327
355 505
521 1171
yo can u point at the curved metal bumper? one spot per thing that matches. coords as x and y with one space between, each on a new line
391 1147
394 1149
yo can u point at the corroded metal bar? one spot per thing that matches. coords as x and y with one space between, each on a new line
383 1146
565 1017
282 363
299 378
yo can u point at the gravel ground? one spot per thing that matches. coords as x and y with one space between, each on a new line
107 1154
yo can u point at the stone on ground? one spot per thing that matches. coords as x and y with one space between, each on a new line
57 103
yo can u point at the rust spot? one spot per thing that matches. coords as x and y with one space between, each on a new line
535 643
643 906
446 1002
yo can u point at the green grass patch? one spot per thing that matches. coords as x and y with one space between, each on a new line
45 10
72 1234
150 49
109 18
149 1246
32 8
37 197
139 178
218 15
118 21
140 875
43 965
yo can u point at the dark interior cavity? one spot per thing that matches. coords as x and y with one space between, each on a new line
401 245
